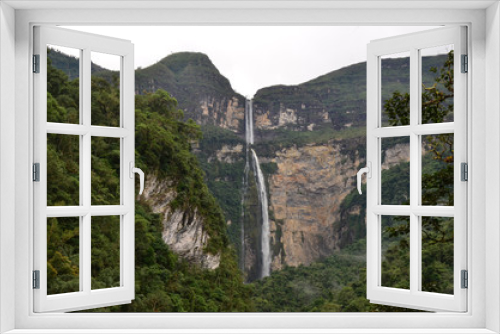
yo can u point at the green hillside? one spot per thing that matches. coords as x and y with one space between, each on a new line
164 281
189 77
341 93
71 65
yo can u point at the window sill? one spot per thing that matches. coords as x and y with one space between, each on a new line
251 331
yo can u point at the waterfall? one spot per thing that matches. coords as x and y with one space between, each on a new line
249 122
262 196
262 193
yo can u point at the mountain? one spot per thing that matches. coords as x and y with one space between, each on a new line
203 93
70 65
334 101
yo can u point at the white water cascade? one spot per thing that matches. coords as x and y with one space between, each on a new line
249 122
262 193
252 163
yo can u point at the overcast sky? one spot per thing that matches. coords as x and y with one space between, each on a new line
253 57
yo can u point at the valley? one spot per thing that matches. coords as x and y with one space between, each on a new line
259 192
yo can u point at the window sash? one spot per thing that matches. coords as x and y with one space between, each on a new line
414 298
86 298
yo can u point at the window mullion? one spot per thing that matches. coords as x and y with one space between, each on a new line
414 172
81 226
85 183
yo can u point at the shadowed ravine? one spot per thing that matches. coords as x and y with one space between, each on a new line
252 165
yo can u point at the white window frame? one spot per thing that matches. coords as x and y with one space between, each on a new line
86 43
484 212
376 132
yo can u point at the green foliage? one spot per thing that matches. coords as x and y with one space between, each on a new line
437 188
398 109
164 282
63 255
70 65
282 138
214 138
224 179
341 93
334 284
190 77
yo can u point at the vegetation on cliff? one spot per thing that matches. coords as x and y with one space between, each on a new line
340 94
189 77
164 282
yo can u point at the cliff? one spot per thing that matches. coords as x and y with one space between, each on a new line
305 197
202 92
336 100
183 230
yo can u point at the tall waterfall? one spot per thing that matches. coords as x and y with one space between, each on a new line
252 163
249 122
262 193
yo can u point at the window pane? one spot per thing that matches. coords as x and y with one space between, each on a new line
437 170
437 84
395 90
105 245
105 171
437 254
63 87
395 252
63 255
105 89
395 180
63 170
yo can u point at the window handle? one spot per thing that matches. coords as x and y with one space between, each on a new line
134 170
368 171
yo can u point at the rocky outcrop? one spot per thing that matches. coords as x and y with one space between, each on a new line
224 112
305 197
228 154
397 154
303 118
202 92
184 231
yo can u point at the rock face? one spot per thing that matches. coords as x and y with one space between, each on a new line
202 92
305 196
224 112
298 119
228 153
184 231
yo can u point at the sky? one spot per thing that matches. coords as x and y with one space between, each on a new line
254 57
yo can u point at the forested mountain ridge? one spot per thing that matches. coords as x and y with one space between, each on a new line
203 93
334 101
71 65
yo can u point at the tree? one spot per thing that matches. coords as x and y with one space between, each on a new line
437 183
